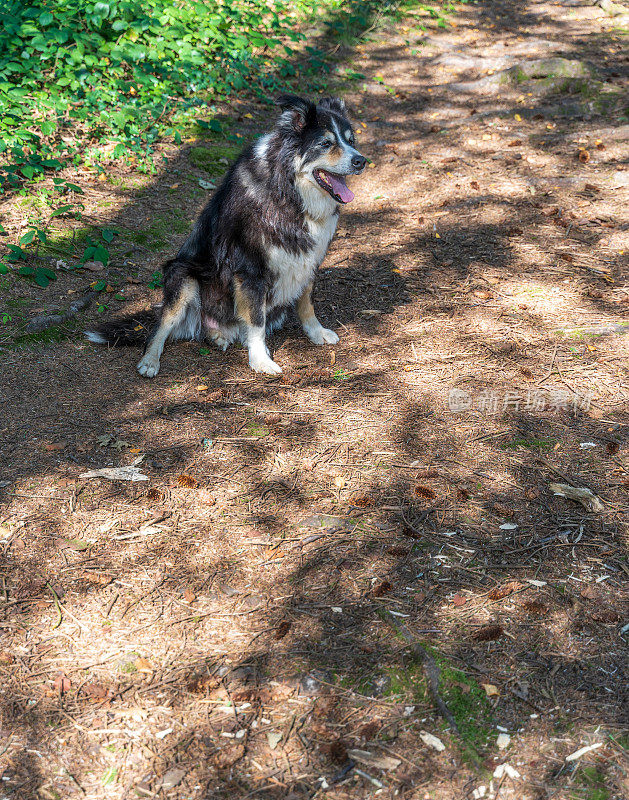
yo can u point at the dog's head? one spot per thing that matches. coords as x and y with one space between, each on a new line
325 144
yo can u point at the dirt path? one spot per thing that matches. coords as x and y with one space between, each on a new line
248 622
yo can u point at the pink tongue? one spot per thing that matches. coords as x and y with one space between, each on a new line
340 188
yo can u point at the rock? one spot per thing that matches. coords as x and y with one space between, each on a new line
171 779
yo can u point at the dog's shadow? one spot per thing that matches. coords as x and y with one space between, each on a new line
350 296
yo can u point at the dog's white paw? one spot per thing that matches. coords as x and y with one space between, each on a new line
148 366
320 335
264 364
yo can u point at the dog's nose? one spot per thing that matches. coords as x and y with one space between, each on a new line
359 162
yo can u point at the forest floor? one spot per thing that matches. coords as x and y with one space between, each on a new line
356 579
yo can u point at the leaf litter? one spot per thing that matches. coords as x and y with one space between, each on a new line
368 429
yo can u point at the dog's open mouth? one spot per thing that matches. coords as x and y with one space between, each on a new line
334 185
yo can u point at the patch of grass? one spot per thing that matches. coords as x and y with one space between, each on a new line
468 703
156 237
532 443
409 682
255 429
18 303
214 160
591 785
52 335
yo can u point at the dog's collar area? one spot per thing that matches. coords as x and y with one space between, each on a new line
334 185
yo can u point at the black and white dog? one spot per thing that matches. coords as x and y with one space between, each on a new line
257 244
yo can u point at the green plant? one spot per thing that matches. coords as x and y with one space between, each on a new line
340 374
126 72
156 281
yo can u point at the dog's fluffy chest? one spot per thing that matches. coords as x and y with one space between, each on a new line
292 273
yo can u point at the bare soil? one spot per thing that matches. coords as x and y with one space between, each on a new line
366 550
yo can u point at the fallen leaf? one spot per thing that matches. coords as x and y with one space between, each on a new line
339 482
201 683
228 756
566 257
96 692
458 600
490 689
202 388
143 665
6 658
586 497
62 684
94 266
515 143
432 741
54 446
171 779
612 448
282 629
606 616
189 596
535 607
583 155
464 687
475 185
273 738
382 588
589 593
487 633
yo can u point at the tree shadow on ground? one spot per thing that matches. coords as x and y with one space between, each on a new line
260 588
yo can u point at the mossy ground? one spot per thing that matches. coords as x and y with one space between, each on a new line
590 784
465 698
214 158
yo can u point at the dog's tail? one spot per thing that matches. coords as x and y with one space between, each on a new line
129 331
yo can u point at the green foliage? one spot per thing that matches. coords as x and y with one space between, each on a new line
156 281
73 71
591 785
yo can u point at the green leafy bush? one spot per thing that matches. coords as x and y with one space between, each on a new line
73 71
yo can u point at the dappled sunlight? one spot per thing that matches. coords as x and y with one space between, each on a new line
260 617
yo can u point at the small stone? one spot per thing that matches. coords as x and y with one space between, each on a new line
171 779
503 740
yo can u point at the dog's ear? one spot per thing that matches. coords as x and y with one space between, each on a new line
296 112
334 104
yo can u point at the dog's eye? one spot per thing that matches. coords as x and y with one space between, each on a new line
326 144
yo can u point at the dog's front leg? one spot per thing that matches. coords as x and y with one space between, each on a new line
313 329
250 306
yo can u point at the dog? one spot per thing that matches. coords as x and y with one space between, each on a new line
256 246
